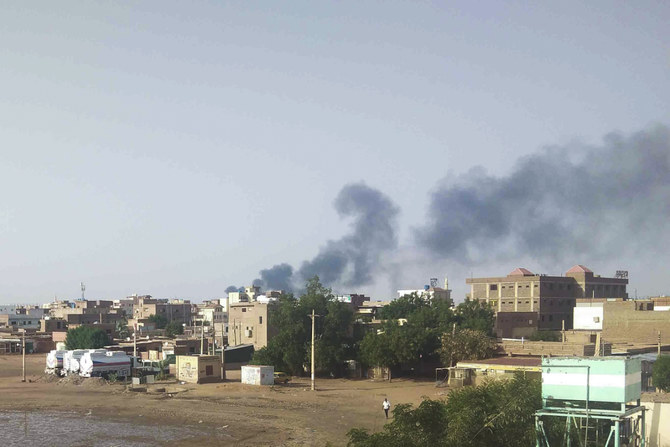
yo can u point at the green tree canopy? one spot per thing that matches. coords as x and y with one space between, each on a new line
86 337
159 320
494 414
466 344
172 329
289 349
661 373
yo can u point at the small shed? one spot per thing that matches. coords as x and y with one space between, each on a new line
198 368
258 375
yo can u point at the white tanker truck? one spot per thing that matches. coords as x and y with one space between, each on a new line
55 362
102 364
71 359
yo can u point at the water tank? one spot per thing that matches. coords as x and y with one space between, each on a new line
596 379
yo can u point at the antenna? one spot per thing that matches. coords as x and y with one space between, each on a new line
83 289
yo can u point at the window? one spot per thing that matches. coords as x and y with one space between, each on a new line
244 309
260 320
493 287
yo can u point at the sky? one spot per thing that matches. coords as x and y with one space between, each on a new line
178 149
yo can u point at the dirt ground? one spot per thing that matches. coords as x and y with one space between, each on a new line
282 415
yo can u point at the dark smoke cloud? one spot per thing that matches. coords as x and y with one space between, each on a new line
278 277
555 207
351 260
258 282
231 289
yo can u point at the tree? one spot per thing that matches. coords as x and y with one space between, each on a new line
396 344
159 320
86 337
494 414
477 315
172 329
466 344
661 373
122 328
376 350
288 350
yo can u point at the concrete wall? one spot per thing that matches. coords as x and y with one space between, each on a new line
248 324
588 318
623 322
657 424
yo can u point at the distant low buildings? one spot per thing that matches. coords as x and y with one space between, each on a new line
429 292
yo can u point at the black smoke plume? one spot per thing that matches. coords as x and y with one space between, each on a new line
558 204
351 260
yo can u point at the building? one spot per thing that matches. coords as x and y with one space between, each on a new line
248 324
635 322
20 321
552 298
198 368
429 291
248 295
178 311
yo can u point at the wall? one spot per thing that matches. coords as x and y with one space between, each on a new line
588 318
623 323
656 422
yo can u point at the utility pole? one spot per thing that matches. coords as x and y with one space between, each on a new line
313 318
202 335
23 345
659 343
223 354
562 331
135 340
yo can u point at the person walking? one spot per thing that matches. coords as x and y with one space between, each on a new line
386 405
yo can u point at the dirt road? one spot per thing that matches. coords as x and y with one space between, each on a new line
285 415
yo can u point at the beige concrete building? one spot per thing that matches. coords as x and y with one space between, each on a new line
552 298
175 310
249 295
198 368
248 324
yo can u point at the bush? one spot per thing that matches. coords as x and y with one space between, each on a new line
173 329
86 337
661 373
496 413
545 336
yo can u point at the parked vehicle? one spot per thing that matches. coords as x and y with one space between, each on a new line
55 362
102 364
281 377
71 359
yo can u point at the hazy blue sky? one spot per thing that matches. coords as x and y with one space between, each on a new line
176 148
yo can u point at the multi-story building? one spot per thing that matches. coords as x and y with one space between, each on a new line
248 295
213 313
19 321
547 300
178 311
248 323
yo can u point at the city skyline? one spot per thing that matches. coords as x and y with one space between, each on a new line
177 150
